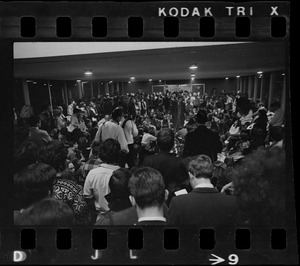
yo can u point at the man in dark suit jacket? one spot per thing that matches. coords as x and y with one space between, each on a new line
202 140
148 194
172 169
204 206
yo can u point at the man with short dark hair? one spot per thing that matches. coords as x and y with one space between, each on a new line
204 205
96 182
148 194
93 162
38 136
202 140
172 169
112 129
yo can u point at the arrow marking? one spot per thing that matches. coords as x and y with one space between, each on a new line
217 260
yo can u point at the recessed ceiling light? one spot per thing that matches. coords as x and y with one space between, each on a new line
237 76
259 72
88 72
132 78
159 80
34 82
78 80
193 66
226 78
150 79
283 74
193 75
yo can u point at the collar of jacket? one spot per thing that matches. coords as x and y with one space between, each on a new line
205 190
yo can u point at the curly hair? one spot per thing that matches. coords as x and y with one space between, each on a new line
48 211
165 139
33 183
26 154
109 151
259 184
55 154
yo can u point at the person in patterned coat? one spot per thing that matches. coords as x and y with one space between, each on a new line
65 189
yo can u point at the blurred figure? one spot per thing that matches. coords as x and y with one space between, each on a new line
48 211
260 186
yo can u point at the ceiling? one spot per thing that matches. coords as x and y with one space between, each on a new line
214 61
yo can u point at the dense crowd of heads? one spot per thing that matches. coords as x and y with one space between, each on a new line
56 150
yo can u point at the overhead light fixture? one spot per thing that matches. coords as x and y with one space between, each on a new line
88 72
193 75
193 66
237 76
150 79
283 74
226 78
111 81
159 80
259 72
78 80
129 81
34 82
132 78
29 81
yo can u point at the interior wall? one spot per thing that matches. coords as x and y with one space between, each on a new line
220 85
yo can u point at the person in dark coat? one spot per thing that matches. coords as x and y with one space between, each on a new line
204 205
202 140
178 111
172 169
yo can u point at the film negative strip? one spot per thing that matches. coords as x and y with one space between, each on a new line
52 44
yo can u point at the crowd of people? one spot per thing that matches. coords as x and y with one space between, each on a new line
177 158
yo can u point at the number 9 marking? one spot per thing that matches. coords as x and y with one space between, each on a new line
233 258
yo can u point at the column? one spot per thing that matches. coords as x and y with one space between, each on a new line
245 86
255 88
111 89
26 92
66 93
123 88
98 87
92 88
242 85
79 86
250 89
271 89
118 87
69 93
261 87
106 87
50 96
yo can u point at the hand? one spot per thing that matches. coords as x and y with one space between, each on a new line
228 188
